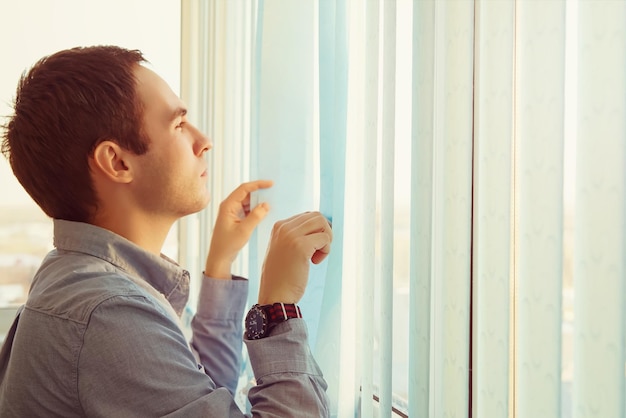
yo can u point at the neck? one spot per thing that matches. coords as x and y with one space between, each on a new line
146 232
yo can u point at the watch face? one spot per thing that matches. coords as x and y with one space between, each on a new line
256 323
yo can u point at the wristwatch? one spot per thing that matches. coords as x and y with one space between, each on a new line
261 319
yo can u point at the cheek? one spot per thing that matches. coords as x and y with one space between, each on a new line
153 168
169 157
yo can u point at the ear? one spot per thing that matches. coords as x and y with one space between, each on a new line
112 161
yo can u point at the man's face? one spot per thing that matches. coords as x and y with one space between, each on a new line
170 179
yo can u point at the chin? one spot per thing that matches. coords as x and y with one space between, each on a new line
195 208
204 203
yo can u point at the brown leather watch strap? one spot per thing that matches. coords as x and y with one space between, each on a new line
279 312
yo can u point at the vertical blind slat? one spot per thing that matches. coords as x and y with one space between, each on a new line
421 207
194 72
335 346
369 203
386 277
539 135
492 207
210 98
436 287
599 248
452 206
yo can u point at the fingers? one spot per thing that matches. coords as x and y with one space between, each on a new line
309 223
311 231
255 217
294 243
321 245
242 193
318 257
238 202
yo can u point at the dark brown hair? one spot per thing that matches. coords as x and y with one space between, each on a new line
65 105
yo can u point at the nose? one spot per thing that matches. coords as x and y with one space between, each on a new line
202 143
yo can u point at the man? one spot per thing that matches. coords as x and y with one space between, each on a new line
104 147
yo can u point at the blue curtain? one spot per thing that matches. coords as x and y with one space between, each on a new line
284 145
333 89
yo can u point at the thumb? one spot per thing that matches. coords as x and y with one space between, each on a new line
319 256
321 246
255 216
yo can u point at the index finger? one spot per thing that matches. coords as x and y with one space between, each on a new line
244 190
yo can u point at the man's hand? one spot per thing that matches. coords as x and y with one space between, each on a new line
294 242
233 228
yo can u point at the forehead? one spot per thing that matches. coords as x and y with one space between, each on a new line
158 99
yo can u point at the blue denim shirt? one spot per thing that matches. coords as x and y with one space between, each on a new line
99 336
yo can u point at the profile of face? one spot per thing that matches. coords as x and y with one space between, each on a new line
170 179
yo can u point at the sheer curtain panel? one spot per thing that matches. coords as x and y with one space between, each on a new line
449 142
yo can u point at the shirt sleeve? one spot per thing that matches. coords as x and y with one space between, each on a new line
217 329
289 381
135 362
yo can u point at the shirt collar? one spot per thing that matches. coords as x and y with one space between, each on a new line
162 273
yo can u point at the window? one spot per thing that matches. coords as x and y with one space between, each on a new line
490 257
508 149
25 231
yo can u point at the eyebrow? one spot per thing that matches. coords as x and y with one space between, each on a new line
179 111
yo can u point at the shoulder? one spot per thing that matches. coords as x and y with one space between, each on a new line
72 285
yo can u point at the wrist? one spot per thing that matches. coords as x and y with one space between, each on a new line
272 298
218 270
